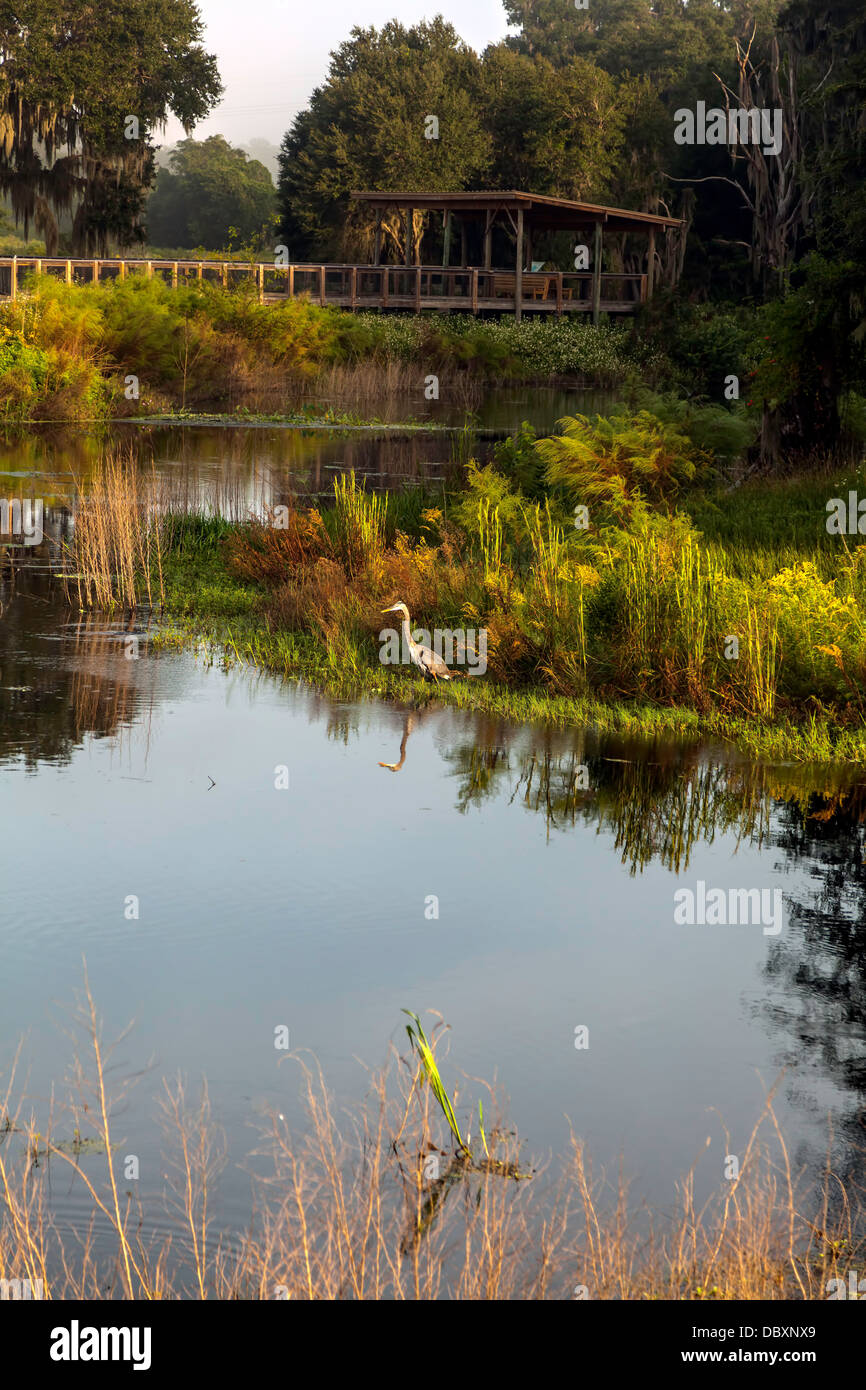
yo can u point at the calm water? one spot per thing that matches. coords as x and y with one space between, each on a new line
306 907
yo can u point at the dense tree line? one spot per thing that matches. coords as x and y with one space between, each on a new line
583 103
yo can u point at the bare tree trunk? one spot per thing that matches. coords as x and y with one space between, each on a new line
773 179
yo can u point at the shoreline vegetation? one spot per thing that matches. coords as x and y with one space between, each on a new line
138 347
668 613
421 1191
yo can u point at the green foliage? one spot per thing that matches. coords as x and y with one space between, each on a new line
614 463
518 458
365 128
555 130
705 343
726 434
208 192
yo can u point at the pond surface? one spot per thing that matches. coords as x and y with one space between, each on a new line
243 468
553 858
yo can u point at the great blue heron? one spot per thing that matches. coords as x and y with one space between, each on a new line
428 663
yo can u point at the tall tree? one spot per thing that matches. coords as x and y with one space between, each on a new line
83 88
368 127
554 130
209 188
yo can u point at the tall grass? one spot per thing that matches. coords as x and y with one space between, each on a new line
353 1207
359 518
116 552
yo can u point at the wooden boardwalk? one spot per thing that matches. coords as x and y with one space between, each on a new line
384 287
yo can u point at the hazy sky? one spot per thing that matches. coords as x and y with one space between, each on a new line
272 53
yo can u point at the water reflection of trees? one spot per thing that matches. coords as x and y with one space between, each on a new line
62 680
658 803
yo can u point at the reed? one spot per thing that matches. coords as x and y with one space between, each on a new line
353 1207
116 553
358 519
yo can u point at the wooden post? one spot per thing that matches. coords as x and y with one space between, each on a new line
174 275
94 271
410 235
225 276
417 289
559 294
475 291
200 269
518 268
596 274
69 272
39 267
14 286
651 263
353 278
260 282
385 273
149 271
121 273
291 288
322 299
446 239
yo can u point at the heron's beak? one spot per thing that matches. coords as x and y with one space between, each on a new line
392 609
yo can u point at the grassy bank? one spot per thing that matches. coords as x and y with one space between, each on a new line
614 610
139 347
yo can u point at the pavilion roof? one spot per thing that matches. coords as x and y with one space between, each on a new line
539 210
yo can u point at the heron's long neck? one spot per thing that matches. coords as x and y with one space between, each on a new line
407 634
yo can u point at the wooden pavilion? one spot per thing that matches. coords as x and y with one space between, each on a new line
524 216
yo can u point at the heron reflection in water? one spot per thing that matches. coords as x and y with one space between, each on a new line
408 726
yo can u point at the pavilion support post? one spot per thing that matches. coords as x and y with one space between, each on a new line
446 238
596 274
410 235
518 268
651 263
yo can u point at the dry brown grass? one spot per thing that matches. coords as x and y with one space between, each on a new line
117 547
352 1209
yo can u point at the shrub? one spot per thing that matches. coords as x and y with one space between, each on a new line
613 462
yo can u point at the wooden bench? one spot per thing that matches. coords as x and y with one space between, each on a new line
536 286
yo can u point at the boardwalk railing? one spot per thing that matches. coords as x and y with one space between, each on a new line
361 286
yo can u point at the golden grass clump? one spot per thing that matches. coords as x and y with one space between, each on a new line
117 547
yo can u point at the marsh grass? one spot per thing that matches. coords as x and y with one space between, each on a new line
115 556
358 524
350 1207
